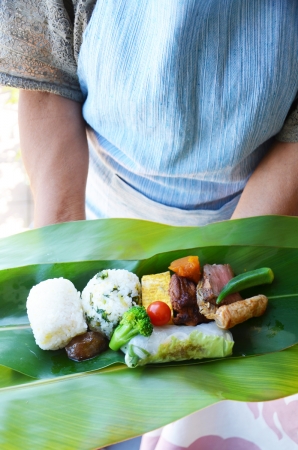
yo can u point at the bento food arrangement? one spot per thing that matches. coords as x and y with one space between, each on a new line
181 314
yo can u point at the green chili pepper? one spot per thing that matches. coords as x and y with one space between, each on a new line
246 280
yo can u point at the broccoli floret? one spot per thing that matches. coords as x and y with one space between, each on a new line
134 321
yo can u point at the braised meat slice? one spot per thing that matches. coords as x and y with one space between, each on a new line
184 302
215 277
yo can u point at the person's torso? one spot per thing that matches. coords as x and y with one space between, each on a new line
183 94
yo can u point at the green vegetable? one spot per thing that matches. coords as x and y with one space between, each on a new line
246 280
134 321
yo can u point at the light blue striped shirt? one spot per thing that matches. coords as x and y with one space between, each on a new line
182 98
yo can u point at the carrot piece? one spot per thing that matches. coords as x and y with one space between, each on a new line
188 267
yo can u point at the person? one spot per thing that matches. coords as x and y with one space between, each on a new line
176 111
181 106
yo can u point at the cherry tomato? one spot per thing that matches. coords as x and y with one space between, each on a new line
159 313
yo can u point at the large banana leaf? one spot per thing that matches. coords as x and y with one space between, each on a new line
71 408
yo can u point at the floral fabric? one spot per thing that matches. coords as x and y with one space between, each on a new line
39 45
232 426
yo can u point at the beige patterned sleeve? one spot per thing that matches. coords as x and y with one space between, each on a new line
37 45
289 132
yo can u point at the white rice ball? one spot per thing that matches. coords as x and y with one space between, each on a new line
55 313
107 296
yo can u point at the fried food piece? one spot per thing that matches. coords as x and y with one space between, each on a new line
227 316
156 288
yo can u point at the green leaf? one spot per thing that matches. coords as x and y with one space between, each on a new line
80 407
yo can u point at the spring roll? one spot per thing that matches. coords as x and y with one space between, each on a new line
173 343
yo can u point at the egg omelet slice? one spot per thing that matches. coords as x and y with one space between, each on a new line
156 288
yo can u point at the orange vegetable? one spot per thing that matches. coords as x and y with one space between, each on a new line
188 267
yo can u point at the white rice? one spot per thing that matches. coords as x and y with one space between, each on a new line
55 313
107 296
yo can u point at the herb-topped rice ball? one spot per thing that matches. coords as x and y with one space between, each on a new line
107 296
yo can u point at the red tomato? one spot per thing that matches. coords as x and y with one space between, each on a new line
159 313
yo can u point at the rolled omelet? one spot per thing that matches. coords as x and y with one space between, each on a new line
156 288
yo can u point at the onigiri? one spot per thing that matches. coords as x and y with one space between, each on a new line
107 296
55 313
